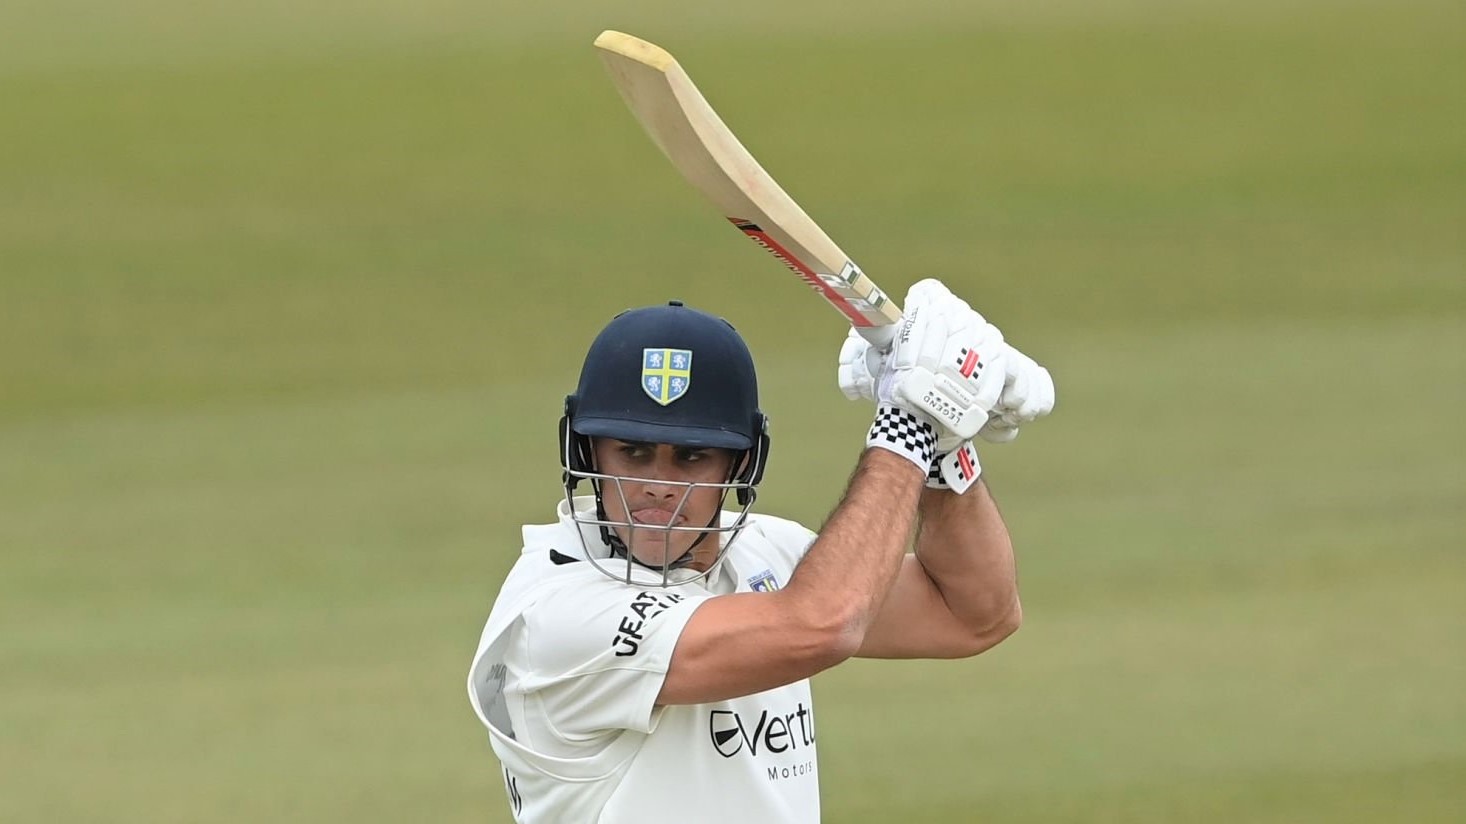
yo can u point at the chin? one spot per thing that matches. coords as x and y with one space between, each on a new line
656 553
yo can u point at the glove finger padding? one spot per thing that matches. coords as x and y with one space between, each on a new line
1028 394
921 323
998 430
1028 391
856 377
1038 399
940 325
927 291
923 327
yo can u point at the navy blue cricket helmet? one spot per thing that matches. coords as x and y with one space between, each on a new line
667 374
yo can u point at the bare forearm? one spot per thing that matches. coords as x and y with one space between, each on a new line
964 546
850 567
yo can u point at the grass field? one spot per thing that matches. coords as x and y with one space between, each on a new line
289 298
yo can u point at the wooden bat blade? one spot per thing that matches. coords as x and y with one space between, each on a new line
705 151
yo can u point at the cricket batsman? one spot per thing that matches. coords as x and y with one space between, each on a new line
648 657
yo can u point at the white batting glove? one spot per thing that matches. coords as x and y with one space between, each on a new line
1028 394
896 429
946 363
860 363
1028 389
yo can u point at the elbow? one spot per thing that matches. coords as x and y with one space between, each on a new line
1010 621
846 643
999 630
833 637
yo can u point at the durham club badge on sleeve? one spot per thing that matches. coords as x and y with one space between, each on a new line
763 582
665 373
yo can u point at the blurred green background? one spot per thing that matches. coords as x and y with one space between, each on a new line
289 297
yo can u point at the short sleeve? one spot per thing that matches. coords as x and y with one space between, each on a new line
785 539
593 659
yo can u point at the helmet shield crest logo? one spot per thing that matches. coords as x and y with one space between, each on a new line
665 373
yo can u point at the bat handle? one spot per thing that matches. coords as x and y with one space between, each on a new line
880 337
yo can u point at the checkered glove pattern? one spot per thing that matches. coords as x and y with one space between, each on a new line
934 475
897 430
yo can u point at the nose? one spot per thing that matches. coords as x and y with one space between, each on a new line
669 479
661 490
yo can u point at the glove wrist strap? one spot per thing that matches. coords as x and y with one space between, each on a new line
934 478
904 433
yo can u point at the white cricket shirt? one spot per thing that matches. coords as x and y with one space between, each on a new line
568 670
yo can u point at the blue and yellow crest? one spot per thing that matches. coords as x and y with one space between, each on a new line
665 373
763 582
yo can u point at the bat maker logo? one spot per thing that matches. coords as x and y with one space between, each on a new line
968 361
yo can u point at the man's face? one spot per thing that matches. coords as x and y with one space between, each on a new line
662 500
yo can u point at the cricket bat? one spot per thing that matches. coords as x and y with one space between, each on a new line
692 136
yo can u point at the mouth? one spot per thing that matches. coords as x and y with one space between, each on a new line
655 517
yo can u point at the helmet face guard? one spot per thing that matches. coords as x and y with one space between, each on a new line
623 562
665 375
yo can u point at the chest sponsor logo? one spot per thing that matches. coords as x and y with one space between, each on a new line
630 632
733 732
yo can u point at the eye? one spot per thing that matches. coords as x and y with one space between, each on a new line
634 451
701 456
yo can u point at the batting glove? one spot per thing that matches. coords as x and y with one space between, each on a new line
1027 395
946 364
